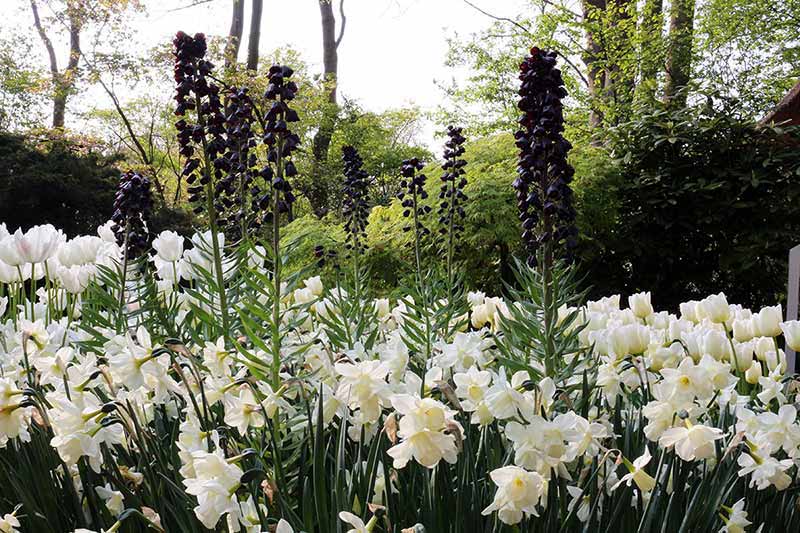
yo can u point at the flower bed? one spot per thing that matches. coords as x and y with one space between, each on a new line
182 385
646 418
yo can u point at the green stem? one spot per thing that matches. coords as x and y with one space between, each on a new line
422 289
276 273
547 273
450 234
33 292
212 223
123 279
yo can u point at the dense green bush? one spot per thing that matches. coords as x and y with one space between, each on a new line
708 202
490 238
68 182
56 181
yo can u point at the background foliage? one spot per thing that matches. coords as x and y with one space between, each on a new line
664 179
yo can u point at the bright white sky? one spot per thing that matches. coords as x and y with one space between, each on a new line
392 53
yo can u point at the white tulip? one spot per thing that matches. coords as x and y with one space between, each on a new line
169 246
753 373
791 333
762 346
689 311
715 308
81 250
640 304
767 322
744 355
716 344
36 245
743 329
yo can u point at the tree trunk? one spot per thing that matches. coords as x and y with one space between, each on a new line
235 34
62 82
67 79
330 53
330 62
679 51
620 82
255 35
594 52
650 54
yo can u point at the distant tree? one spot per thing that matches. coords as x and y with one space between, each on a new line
330 74
234 34
73 17
255 35
618 51
384 140
22 98
679 51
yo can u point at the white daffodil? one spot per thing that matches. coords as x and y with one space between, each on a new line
358 525
735 518
9 522
363 386
112 498
504 398
693 442
214 484
428 432
582 500
763 469
771 387
637 474
688 381
463 352
283 527
518 494
471 388
249 515
243 411
216 358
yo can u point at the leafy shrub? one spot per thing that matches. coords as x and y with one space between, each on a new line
47 178
708 202
59 181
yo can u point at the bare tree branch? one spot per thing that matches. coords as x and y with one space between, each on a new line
343 22
45 39
189 6
495 17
